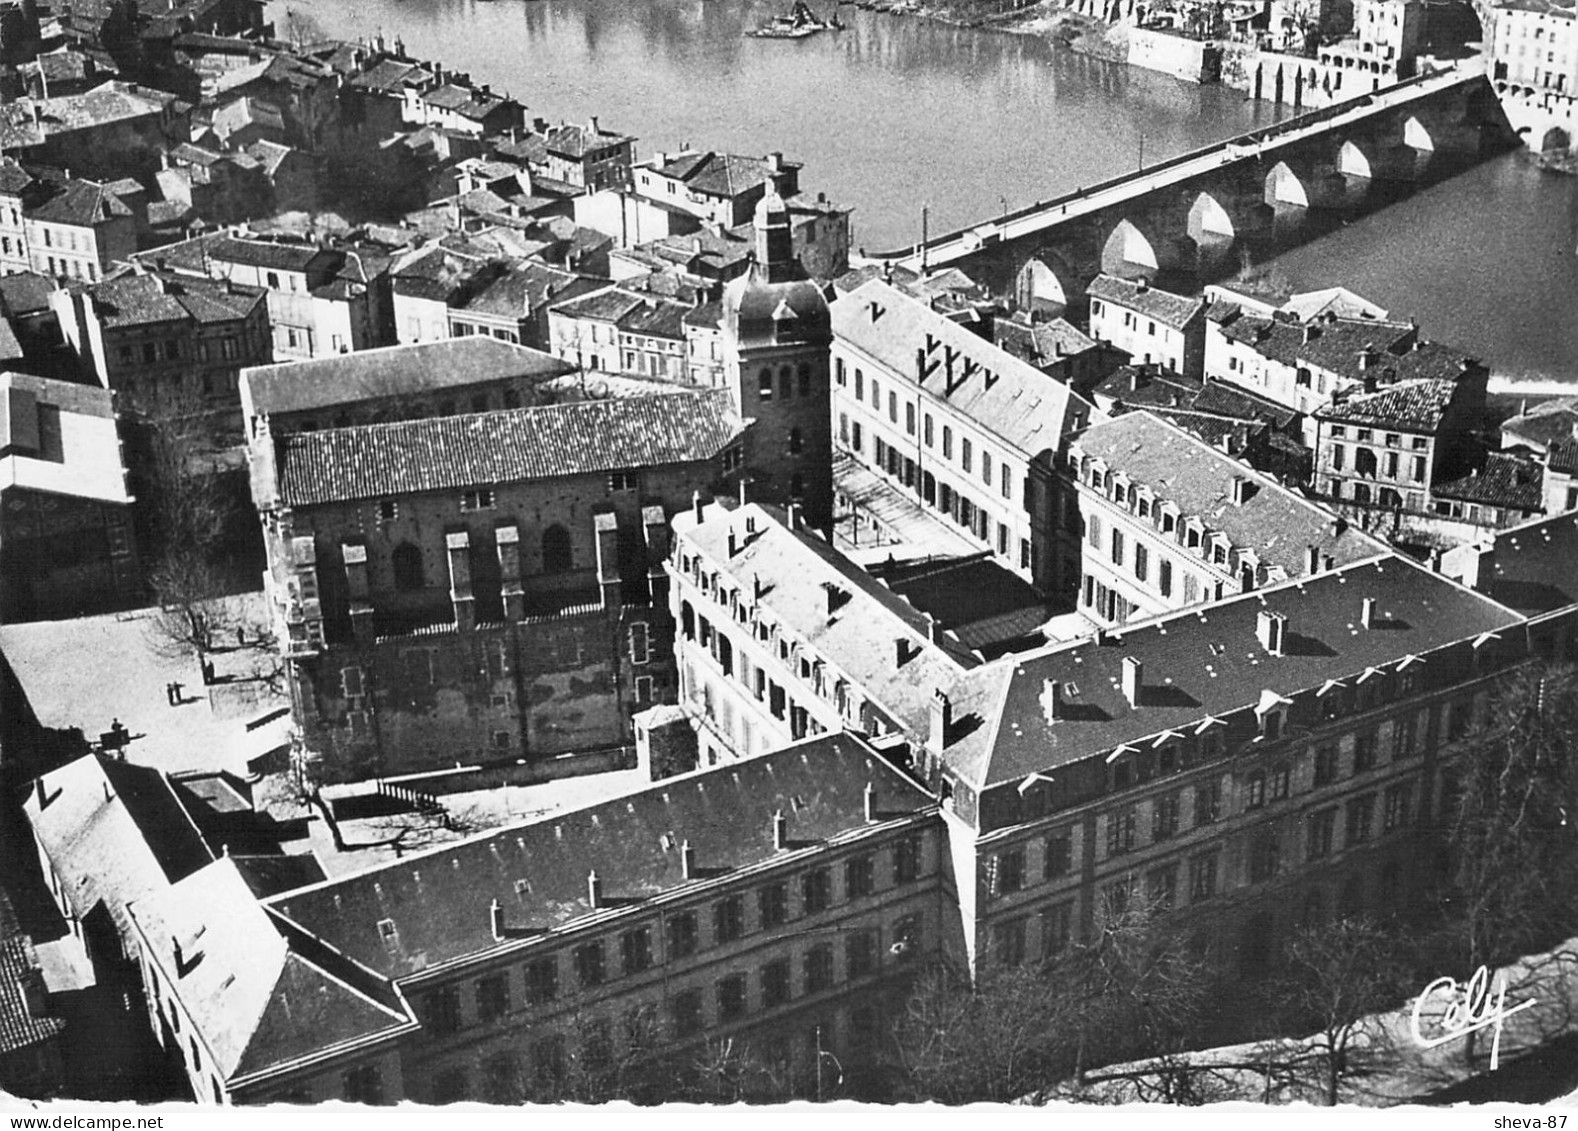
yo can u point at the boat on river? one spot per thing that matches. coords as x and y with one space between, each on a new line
799 22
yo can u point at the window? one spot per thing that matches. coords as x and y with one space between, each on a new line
1161 887
947 442
444 1010
1141 562
1361 814
1008 943
1117 547
1364 750
1322 825
1164 577
876 395
1202 876
493 997
1120 831
731 998
1057 856
1405 732
547 1061
589 964
1164 816
1398 800
622 481
542 981
1255 790
860 953
682 934
966 452
860 385
556 552
635 949
1093 531
796 441
773 903
819 968
1056 926
907 860
986 468
1011 871
764 384
363 1085
685 1008
804 375
1281 781
817 890
775 983
1207 801
893 406
1325 764
388 511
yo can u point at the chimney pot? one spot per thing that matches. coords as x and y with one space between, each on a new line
1367 613
496 920
780 830
695 502
594 890
792 513
871 802
687 861
941 720
734 543
1133 680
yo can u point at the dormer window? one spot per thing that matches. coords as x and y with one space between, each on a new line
1271 713
1333 699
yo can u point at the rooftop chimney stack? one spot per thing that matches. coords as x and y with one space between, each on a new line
901 650
594 890
695 502
1367 613
1311 559
1272 630
871 802
780 830
792 514
734 543
496 920
1240 490
39 794
742 490
687 861
1052 699
941 720
1133 680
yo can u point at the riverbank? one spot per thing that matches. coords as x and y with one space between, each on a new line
1048 20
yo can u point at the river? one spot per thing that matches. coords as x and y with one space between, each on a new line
895 114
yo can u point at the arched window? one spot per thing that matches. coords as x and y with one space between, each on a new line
556 556
408 570
805 379
785 383
764 385
796 441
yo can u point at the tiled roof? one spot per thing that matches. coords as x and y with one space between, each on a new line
114 833
1229 400
391 75
1563 456
1544 424
393 371
1414 405
81 203
1334 344
413 914
1167 308
1277 524
1204 663
468 102
258 1000
719 174
19 1029
436 273
525 288
1505 480
134 300
1531 569
1041 343
1022 405
1148 386
24 294
113 102
265 253
13 178
576 141
508 446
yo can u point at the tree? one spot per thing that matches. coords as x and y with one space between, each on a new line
1511 798
1333 978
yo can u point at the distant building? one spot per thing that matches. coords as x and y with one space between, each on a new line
513 304
457 105
721 187
1057 348
587 157
67 545
1151 325
113 130
76 229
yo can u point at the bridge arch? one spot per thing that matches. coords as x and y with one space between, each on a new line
1209 221
1284 187
1045 282
1128 252
1353 161
1415 136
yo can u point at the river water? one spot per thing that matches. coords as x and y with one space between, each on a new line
895 114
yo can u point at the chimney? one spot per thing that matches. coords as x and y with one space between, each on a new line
594 890
1133 680
496 920
695 502
792 516
734 543
775 162
749 522
1052 699
901 649
780 830
38 793
1327 562
595 130
1141 285
1311 559
1311 332
1241 490
941 720
687 861
834 593
1367 613
1134 380
1272 630
871 802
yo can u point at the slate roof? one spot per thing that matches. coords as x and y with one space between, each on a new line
1167 308
1504 480
1531 569
507 446
1416 406
1204 663
393 371
1277 524
114 833
258 1000
538 870
1023 406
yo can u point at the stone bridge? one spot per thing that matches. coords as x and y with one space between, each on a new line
1207 214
